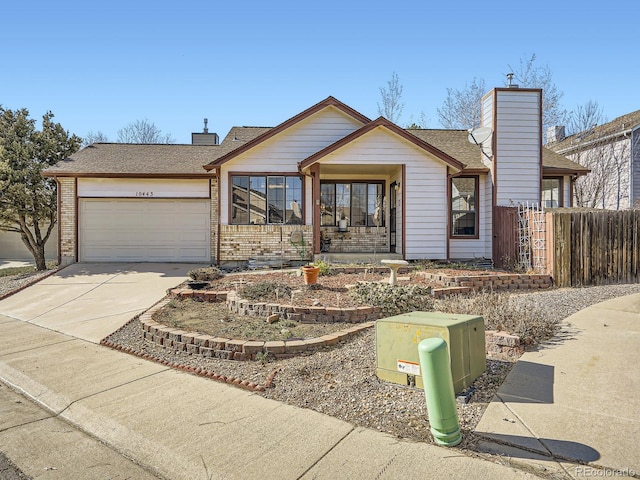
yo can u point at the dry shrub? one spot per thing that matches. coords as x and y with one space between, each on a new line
502 311
266 291
393 299
205 274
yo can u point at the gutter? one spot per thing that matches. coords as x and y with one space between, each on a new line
580 146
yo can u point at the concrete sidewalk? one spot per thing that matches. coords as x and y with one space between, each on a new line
179 426
576 398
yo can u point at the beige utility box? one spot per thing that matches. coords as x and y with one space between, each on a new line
397 340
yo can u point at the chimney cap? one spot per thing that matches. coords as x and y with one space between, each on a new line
510 83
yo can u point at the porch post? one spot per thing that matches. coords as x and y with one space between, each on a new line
315 198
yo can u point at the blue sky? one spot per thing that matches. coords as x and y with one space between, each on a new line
101 65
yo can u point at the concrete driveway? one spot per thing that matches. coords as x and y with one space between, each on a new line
90 301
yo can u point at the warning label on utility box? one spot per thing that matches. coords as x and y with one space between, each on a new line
411 368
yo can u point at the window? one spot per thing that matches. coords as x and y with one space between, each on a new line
464 217
552 192
266 199
360 203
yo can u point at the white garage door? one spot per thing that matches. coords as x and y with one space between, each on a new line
145 230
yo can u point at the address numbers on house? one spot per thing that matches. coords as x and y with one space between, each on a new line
144 194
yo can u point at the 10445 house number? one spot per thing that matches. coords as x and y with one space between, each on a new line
144 194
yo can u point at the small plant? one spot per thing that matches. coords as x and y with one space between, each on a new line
325 268
264 357
205 274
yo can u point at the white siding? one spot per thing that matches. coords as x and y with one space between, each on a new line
282 153
566 192
518 146
143 187
460 249
425 188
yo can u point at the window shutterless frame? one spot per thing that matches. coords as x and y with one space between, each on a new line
463 207
266 199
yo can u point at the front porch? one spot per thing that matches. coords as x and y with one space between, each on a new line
354 240
357 258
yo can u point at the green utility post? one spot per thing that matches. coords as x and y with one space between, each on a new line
438 391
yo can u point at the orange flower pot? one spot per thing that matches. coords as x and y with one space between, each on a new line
310 273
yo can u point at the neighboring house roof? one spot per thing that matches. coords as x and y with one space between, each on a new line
598 133
383 122
329 101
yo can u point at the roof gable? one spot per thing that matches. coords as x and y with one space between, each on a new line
383 123
328 102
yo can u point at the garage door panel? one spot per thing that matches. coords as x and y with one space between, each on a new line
144 230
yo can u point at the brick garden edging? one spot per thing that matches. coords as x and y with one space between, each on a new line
501 343
232 349
474 283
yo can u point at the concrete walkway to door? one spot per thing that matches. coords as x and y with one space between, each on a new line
90 300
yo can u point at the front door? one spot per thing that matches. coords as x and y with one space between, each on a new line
392 218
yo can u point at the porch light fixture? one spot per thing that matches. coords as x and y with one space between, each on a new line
397 187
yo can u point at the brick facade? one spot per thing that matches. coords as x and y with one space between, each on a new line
268 242
357 239
67 219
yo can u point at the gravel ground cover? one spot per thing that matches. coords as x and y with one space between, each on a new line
341 381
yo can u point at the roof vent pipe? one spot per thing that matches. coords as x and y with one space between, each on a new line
206 130
510 83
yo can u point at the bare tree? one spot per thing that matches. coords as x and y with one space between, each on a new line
420 123
461 108
143 131
391 107
94 137
584 118
608 183
529 75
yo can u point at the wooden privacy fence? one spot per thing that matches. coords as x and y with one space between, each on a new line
576 247
595 247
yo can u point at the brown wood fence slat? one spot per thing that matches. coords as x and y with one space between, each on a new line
505 237
595 247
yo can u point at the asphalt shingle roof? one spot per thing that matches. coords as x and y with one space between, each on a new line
114 159
616 126
150 159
